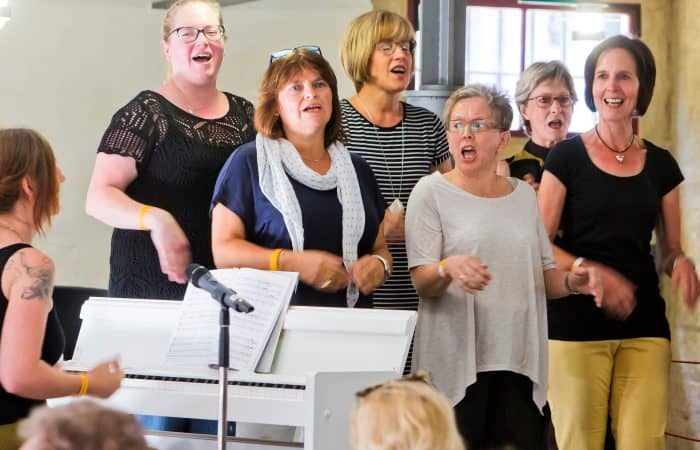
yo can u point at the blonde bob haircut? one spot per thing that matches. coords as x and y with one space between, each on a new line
168 19
25 153
403 415
280 72
362 36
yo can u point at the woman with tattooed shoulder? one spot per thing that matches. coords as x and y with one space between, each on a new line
31 337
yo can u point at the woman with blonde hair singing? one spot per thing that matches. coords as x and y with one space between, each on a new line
400 141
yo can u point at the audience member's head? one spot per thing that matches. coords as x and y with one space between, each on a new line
81 425
406 414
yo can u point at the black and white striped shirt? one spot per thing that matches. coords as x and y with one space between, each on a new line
422 137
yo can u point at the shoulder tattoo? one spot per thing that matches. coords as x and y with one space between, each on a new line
39 277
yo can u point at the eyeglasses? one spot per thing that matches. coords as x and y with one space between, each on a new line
387 48
545 101
288 51
190 34
475 126
421 375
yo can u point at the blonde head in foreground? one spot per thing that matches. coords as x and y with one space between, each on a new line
403 415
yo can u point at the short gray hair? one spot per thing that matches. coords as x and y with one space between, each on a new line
535 74
498 103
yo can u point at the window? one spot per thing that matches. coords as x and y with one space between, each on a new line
503 37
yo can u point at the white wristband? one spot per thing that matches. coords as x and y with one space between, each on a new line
577 263
678 258
385 263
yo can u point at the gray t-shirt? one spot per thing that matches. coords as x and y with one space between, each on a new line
503 327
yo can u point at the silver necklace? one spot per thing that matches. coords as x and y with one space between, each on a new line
186 100
396 205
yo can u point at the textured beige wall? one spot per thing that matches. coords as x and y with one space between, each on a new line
397 6
684 42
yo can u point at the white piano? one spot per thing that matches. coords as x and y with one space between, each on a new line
324 356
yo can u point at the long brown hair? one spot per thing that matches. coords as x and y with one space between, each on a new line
26 153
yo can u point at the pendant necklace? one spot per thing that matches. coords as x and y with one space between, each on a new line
184 97
396 205
619 154
186 100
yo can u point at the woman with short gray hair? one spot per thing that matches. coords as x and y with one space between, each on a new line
545 95
482 282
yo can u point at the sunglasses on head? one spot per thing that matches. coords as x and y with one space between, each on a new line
288 51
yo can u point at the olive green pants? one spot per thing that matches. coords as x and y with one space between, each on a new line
8 437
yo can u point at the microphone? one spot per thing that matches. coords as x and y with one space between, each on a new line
203 279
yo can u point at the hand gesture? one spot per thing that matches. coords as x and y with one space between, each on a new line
468 272
685 277
171 244
618 299
587 281
323 271
368 274
105 378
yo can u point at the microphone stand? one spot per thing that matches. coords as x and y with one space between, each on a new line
224 322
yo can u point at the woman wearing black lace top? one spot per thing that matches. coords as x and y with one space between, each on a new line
159 158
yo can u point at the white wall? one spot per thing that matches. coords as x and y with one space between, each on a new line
67 65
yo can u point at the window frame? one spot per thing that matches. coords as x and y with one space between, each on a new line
633 10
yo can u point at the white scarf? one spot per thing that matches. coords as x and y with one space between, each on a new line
278 158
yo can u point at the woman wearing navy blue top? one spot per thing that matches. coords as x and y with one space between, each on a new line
296 199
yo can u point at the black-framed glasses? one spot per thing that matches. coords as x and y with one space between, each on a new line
475 126
421 375
288 51
190 34
545 101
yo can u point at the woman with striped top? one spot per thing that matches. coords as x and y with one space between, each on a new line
401 142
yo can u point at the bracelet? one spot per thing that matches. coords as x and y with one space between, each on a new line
275 259
142 215
83 384
385 263
678 258
577 263
441 269
566 284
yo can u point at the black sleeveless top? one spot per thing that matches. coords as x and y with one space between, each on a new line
12 407
178 158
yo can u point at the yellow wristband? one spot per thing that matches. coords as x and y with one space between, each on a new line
275 259
83 384
441 269
142 215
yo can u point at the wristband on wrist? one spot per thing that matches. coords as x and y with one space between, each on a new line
385 263
678 258
566 284
83 384
275 259
441 269
577 263
142 217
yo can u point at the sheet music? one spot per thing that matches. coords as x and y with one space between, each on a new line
195 341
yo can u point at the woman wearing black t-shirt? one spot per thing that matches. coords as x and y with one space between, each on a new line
159 158
606 191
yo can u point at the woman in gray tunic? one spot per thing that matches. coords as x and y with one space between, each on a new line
483 282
